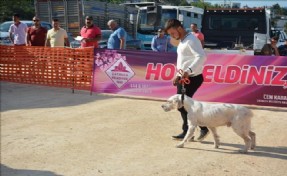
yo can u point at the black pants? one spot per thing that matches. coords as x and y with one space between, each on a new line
190 89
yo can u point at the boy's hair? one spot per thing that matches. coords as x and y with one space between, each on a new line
172 23
194 24
16 15
275 38
55 20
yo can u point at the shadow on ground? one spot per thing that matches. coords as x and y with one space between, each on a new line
22 96
279 152
7 171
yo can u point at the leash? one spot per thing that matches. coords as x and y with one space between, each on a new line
183 81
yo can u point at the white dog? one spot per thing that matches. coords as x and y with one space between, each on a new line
212 116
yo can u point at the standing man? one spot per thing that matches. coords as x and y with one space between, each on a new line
190 59
117 39
91 34
160 42
57 37
19 30
36 35
197 33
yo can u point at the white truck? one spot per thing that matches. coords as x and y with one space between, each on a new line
233 29
151 18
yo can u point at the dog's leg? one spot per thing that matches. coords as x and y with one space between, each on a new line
215 137
253 139
241 127
247 142
187 137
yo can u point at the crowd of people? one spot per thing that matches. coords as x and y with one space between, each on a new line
36 35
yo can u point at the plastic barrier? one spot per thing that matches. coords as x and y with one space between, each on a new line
57 67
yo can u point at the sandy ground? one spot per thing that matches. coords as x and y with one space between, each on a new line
49 131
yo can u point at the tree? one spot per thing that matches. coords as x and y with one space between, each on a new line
25 9
202 4
277 9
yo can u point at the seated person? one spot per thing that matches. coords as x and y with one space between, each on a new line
270 49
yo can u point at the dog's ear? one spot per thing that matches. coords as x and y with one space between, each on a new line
176 99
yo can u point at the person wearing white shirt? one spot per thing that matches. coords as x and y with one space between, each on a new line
190 60
18 31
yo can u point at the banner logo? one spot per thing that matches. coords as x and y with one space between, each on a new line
120 73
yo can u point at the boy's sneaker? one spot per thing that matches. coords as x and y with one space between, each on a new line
192 139
180 136
203 134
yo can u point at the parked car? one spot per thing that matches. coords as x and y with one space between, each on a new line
282 36
4 28
5 38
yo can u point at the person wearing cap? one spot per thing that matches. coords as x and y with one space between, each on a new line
90 33
36 35
270 49
283 49
160 42
117 39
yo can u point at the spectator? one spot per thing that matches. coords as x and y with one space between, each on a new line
57 36
190 60
18 31
36 35
283 49
197 33
160 42
91 33
271 49
117 39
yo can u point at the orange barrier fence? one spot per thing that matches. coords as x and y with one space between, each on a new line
57 67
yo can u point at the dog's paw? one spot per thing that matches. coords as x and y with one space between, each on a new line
191 139
243 151
180 145
216 146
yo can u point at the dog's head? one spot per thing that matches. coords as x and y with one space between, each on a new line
173 102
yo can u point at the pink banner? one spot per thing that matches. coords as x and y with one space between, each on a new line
230 78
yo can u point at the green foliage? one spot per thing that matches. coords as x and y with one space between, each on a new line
202 5
184 3
25 8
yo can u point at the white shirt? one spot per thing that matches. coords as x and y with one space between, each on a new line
190 55
19 32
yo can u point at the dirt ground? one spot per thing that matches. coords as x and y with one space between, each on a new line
49 131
